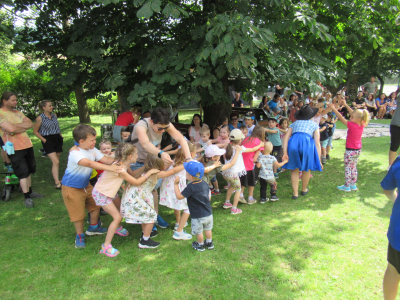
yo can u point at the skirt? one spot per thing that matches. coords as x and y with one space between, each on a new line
303 154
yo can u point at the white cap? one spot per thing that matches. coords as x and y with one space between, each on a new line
213 150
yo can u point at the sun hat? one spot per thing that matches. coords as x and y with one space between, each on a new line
306 112
194 168
236 134
213 150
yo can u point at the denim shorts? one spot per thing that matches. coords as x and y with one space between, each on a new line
324 143
200 224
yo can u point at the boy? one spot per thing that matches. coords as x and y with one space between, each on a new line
76 189
390 183
248 121
268 164
244 130
205 139
275 138
323 138
197 195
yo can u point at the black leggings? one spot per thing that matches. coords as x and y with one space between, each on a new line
373 110
394 138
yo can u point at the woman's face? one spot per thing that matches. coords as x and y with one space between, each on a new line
234 119
383 96
196 121
48 107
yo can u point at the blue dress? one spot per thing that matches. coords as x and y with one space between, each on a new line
302 152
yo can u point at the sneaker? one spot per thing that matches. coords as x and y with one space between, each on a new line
182 235
235 211
148 244
161 223
177 225
80 241
210 245
44 155
328 157
353 187
35 195
242 200
122 231
273 198
252 201
344 188
98 220
279 170
276 175
262 201
227 204
41 150
198 247
29 203
214 193
153 233
10 169
95 230
323 160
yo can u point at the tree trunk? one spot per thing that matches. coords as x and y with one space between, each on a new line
83 109
382 83
123 100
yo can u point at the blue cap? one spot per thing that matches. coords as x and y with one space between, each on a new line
194 167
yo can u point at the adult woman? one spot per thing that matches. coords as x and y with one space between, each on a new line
222 121
371 106
381 103
125 119
194 129
234 121
47 129
263 102
391 104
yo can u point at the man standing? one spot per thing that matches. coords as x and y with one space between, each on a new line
13 125
237 101
370 87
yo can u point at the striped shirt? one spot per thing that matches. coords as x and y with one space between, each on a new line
49 126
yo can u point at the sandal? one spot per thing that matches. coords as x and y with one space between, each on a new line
114 252
58 186
122 231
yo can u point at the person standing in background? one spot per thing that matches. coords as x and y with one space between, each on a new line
370 87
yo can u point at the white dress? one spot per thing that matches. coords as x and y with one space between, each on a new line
167 191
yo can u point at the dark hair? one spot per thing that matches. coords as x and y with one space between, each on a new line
276 96
229 149
204 160
243 127
283 120
233 115
82 131
160 115
291 97
146 112
6 96
201 121
265 98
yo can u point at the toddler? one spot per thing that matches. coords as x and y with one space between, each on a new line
323 138
243 129
275 138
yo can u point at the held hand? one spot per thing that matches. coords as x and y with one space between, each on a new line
238 148
117 168
74 148
217 163
330 105
177 179
152 171
285 161
285 157
166 158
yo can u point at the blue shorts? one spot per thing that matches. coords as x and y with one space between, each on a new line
324 143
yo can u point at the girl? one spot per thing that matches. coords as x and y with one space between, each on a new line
249 180
105 147
283 127
371 105
232 174
301 150
194 129
223 139
105 193
222 121
47 129
358 120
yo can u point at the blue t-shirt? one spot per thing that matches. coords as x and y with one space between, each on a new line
197 195
391 182
272 105
231 126
274 138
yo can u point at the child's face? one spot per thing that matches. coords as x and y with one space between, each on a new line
133 157
125 135
224 133
248 122
105 149
271 124
285 124
205 137
89 143
244 131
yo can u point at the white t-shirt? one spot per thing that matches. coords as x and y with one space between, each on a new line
238 168
77 176
250 130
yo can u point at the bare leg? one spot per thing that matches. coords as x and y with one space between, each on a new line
155 196
392 157
25 184
79 227
200 238
229 193
390 283
323 152
4 156
117 203
147 228
56 166
304 180
294 175
208 234
251 191
94 216
328 149
236 199
182 222
215 184
113 211
177 215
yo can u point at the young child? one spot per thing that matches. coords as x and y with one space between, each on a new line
243 129
249 122
223 138
267 164
249 180
331 123
76 190
125 133
105 193
105 147
275 138
358 120
233 174
197 195
323 138
204 140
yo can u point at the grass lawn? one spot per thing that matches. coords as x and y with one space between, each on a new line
327 245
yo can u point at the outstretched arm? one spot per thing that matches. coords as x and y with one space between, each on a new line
338 114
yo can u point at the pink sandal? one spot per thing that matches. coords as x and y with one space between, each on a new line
114 252
122 231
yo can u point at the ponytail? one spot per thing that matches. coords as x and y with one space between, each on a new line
365 117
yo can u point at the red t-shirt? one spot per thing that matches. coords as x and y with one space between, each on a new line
354 134
125 119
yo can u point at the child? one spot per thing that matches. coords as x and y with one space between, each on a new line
323 138
392 275
248 121
76 190
105 147
223 138
137 204
197 195
125 133
204 139
331 123
243 129
301 148
249 180
268 164
105 193
275 138
232 174
358 120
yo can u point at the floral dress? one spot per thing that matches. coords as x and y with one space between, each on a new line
137 203
167 191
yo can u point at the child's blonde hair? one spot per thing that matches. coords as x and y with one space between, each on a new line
180 156
152 162
268 147
104 142
204 130
42 104
361 114
123 151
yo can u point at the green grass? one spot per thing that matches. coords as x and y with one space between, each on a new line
328 245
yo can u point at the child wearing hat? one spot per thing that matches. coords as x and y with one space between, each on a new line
198 200
301 147
249 122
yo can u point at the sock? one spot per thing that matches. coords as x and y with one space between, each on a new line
93 225
234 207
201 244
208 241
30 190
241 195
323 157
227 201
216 190
250 198
7 164
146 238
27 195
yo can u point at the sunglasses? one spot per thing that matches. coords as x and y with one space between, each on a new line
162 128
234 119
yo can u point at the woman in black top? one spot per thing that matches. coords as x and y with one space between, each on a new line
47 129
263 102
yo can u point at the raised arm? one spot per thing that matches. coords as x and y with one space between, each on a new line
216 164
338 114
343 102
173 171
270 130
140 180
99 166
254 149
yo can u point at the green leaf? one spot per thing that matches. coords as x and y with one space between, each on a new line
375 44
209 35
220 71
200 71
245 63
179 66
230 47
155 5
174 79
145 11
214 54
221 49
227 38
237 62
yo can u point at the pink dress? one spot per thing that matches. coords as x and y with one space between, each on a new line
167 191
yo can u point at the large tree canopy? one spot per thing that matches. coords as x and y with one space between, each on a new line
159 51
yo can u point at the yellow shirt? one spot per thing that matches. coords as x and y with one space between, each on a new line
20 140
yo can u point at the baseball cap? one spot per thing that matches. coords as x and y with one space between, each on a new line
213 150
249 115
236 134
194 168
